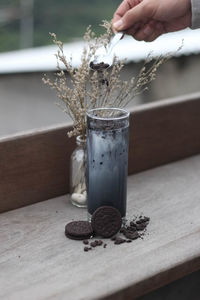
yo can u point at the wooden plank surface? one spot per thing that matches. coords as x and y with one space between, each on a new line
164 131
38 262
35 166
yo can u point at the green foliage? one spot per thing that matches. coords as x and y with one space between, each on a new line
68 19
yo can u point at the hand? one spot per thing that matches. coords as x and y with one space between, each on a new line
148 19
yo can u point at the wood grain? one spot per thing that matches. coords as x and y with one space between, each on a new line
38 262
164 131
35 166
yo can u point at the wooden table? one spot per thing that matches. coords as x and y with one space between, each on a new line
38 262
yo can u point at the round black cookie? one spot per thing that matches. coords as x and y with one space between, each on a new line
78 230
106 221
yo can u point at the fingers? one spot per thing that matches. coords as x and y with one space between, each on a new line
119 13
153 36
136 14
159 30
135 17
137 26
150 31
146 31
122 9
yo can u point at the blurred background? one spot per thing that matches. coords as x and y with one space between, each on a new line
26 53
26 23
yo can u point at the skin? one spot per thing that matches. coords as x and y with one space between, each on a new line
148 19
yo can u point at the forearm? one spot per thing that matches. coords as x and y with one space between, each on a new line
195 6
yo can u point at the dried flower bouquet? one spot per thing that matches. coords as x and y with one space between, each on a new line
84 88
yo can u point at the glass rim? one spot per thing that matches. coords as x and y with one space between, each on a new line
125 115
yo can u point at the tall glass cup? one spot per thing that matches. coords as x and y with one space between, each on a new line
107 158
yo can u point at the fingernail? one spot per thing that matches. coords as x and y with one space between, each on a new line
118 25
148 30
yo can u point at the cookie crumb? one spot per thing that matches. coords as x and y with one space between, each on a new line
119 241
93 244
99 242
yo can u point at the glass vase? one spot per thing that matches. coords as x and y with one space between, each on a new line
107 158
78 194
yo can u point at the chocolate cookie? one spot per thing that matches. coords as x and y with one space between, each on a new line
78 230
106 221
99 66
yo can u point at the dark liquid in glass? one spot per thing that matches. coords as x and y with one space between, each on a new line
107 164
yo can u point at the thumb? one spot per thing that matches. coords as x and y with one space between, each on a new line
132 16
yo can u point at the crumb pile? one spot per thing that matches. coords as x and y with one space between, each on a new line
106 223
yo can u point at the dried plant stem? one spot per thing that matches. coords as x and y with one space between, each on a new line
82 89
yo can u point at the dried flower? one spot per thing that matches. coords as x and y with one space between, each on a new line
84 88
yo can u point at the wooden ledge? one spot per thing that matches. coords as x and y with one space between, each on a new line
38 262
34 166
